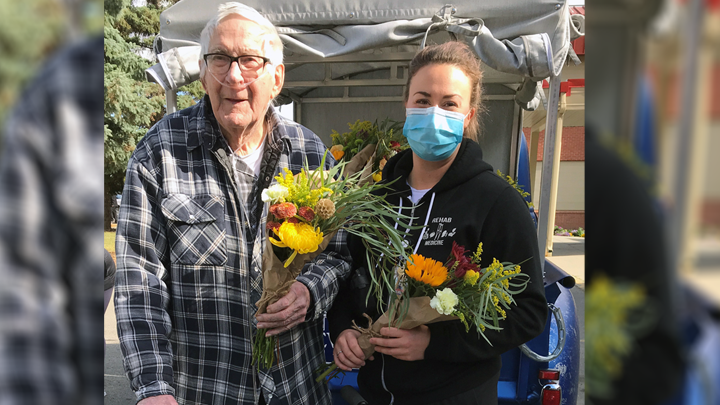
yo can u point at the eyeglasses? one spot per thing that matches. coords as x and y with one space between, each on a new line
251 66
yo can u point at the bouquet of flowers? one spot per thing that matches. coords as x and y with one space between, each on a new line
368 146
618 315
306 210
426 291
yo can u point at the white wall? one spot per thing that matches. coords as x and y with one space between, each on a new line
571 186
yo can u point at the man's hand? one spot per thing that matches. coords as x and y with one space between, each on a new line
347 351
159 400
288 312
403 344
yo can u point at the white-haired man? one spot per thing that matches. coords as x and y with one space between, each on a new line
191 235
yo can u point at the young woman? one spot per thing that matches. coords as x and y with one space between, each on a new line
457 197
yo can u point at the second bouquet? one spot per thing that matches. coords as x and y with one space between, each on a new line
424 291
305 212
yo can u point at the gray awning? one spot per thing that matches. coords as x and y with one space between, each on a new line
526 40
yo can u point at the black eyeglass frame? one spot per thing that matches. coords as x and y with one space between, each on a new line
235 59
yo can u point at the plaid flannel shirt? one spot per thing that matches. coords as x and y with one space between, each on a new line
51 216
189 269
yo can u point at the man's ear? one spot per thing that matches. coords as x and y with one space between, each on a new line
279 80
202 77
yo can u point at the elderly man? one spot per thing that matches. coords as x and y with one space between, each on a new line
192 230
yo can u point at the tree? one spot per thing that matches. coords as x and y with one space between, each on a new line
132 105
36 29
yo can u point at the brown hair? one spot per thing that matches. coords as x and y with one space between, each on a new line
461 56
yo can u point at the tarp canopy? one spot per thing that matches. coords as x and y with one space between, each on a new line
523 40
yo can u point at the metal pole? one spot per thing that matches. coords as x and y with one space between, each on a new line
298 110
534 139
548 159
171 101
678 231
555 173
515 145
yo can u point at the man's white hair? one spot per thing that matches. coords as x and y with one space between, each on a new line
272 44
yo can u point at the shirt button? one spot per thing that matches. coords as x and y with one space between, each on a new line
192 216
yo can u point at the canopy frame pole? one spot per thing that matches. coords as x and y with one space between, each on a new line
171 101
547 166
533 147
690 141
555 173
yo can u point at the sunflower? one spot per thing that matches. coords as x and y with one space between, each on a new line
300 237
425 270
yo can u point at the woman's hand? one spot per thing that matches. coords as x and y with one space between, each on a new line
347 351
403 344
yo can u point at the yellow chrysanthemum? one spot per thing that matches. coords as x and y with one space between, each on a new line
425 270
300 237
471 277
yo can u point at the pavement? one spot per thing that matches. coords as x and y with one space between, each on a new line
703 273
568 254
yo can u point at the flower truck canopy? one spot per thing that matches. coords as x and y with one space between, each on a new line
519 39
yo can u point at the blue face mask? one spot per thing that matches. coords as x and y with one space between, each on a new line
433 133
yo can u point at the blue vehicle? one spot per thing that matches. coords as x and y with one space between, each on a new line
348 59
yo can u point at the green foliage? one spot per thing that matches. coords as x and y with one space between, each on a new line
139 25
618 314
132 104
190 94
35 31
113 7
560 231
516 186
361 133
387 135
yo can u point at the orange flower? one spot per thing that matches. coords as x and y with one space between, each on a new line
425 270
283 210
338 154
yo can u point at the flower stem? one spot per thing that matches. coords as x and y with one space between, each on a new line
327 372
263 349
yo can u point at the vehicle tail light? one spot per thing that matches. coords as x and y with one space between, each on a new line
551 394
549 375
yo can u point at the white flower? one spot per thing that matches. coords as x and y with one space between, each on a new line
274 192
444 301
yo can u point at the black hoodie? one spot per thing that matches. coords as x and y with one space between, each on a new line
469 205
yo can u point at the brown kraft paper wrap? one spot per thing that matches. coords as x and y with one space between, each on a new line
362 161
277 278
419 313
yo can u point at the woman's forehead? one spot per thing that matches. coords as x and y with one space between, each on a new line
440 77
